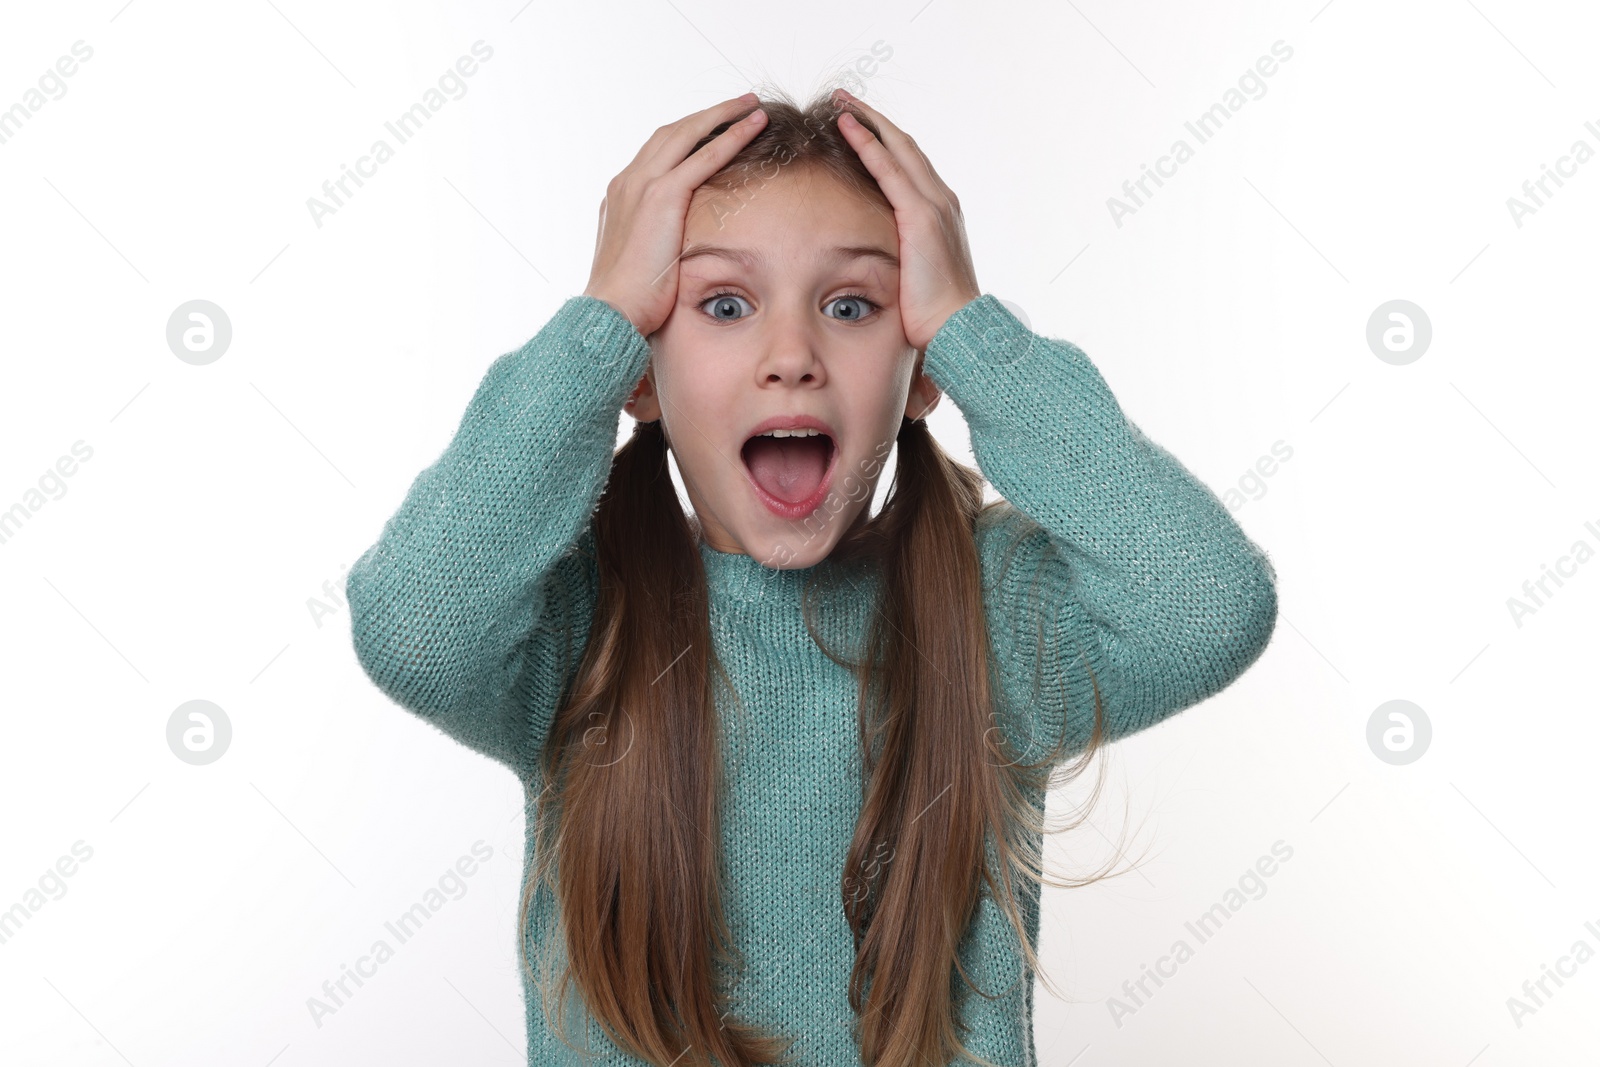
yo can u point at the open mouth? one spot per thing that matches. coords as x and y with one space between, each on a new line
790 474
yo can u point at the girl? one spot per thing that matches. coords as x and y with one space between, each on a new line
786 761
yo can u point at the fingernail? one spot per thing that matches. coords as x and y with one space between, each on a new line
755 116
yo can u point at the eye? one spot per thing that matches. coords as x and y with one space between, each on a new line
722 301
724 305
864 307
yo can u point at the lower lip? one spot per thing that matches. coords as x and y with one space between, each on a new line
785 510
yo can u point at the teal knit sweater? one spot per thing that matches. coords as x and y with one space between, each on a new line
1141 571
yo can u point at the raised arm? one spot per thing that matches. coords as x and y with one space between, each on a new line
461 611
1124 561
466 608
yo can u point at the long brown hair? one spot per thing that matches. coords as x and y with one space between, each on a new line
627 844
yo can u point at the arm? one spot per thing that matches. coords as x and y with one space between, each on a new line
463 610
1124 561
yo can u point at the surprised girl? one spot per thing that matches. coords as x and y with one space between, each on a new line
785 759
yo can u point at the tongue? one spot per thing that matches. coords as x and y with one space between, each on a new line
790 468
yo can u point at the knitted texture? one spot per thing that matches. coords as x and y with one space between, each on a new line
1107 553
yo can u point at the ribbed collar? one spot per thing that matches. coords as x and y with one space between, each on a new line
740 577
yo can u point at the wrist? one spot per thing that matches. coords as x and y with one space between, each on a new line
616 305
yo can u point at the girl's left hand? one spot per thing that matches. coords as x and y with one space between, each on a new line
936 274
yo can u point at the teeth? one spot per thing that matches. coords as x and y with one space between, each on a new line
791 433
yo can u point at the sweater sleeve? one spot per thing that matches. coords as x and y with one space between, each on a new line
466 609
1105 553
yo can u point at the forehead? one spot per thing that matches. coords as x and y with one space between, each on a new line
792 217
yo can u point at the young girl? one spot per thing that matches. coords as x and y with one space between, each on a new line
785 760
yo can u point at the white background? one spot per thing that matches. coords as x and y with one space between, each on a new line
1228 313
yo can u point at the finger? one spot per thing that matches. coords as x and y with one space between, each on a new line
892 176
647 152
905 149
692 172
672 143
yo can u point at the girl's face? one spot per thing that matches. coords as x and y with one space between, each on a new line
787 310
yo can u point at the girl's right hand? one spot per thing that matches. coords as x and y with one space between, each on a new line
642 215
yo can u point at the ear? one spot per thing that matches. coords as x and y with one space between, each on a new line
643 403
923 396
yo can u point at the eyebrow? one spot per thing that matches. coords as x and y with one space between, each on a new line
751 258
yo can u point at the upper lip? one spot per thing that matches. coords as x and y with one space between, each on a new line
792 422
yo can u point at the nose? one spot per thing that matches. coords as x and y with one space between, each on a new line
791 349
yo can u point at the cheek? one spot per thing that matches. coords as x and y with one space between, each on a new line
877 388
699 408
872 411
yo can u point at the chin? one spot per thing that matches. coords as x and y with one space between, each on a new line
795 551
